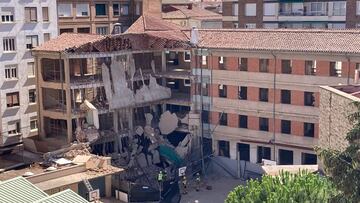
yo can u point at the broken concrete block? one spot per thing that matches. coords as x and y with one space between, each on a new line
149 159
168 122
148 118
156 156
139 130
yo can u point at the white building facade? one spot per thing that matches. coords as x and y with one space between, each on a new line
23 25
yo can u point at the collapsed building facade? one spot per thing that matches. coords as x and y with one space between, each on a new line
248 92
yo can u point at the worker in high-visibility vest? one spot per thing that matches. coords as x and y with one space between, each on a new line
160 180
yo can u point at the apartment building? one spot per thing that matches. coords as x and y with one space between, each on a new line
96 16
291 14
23 26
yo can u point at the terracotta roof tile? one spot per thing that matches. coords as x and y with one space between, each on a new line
194 13
151 23
345 41
67 41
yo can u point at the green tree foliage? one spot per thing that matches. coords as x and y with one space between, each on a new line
284 188
343 167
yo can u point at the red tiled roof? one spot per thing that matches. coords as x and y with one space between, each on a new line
344 41
151 23
67 41
193 13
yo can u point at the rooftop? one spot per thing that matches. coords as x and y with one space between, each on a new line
192 12
353 90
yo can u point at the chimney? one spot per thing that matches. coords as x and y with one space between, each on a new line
194 36
152 7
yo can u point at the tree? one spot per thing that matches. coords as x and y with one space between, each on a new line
285 188
343 167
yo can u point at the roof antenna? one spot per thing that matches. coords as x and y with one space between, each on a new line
194 36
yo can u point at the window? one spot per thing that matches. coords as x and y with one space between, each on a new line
9 44
244 151
12 99
243 64
31 69
138 8
358 8
285 127
250 25
309 129
46 37
335 68
223 119
243 121
30 14
309 99
45 13
235 25
264 65
270 25
221 62
339 8
102 30
187 56
286 157
204 89
32 96
285 96
263 153
243 93
33 124
100 10
11 72
308 159
31 41
222 91
64 30
14 128
82 10
263 94
224 148
83 30
124 11
286 66
317 9
116 9
269 9
310 67
7 17
203 60
250 9
205 117
64 10
264 124
235 9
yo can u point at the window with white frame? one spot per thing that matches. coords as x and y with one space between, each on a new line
11 72
9 44
31 69
270 25
14 128
82 10
32 96
339 8
187 56
30 14
7 17
358 8
64 10
235 9
12 99
45 14
102 30
269 9
250 9
100 9
250 25
116 9
203 60
33 124
32 41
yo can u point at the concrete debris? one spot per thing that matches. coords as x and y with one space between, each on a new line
139 130
185 120
62 161
141 160
168 122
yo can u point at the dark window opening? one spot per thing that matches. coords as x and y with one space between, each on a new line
285 127
100 9
285 96
244 150
309 129
263 94
243 121
264 65
222 62
310 68
286 157
224 148
223 119
243 93
205 116
308 159
243 64
263 153
309 99
264 124
222 91
286 66
83 30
